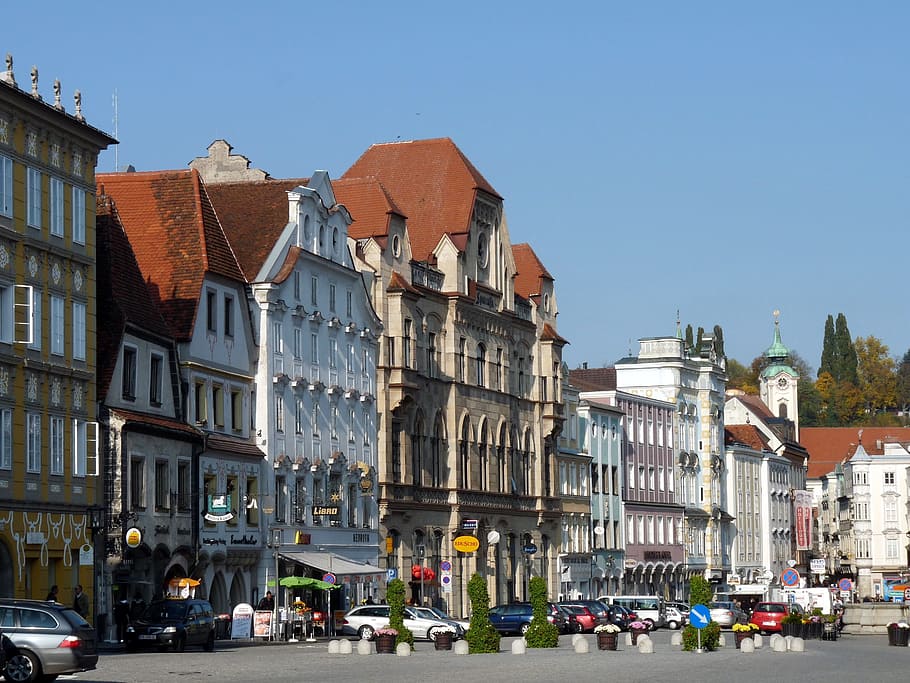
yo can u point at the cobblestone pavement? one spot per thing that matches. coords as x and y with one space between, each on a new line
851 658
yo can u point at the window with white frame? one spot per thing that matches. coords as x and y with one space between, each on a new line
298 343
279 413
333 353
33 442
78 330
889 478
314 348
36 318
891 510
6 438
299 416
78 215
56 207
277 338
58 322
630 529
891 549
80 447
6 186
156 366
129 373
350 359
228 316
33 213
314 291
56 445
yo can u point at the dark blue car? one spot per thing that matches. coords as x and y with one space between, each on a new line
515 617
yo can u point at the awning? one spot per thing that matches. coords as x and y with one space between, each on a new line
331 562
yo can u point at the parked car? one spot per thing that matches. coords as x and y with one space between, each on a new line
727 613
45 640
600 610
622 616
583 618
675 618
515 617
173 623
570 623
768 615
434 614
364 620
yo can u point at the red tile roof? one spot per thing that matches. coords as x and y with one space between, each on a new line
253 215
175 236
748 435
530 271
369 204
593 379
829 446
431 181
123 297
133 418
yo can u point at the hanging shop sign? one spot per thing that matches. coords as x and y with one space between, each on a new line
466 544
218 509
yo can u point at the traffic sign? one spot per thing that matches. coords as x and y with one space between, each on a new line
699 616
329 577
817 565
530 549
391 574
789 578
445 566
845 585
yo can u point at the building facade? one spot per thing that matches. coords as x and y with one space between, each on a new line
48 427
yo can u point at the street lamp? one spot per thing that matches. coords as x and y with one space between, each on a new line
95 517
275 545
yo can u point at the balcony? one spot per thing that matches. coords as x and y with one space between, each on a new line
423 276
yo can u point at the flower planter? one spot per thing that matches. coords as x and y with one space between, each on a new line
637 632
443 641
606 641
791 629
898 636
385 645
740 636
829 632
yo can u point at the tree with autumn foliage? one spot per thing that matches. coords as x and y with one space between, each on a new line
877 374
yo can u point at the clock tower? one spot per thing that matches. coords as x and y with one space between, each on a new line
778 381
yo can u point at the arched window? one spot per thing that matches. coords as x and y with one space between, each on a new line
417 463
782 410
483 459
436 478
501 469
464 458
481 363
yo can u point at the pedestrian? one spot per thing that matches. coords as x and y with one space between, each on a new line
80 601
137 607
370 600
122 618
267 604
52 594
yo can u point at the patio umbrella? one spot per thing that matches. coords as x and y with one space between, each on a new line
299 582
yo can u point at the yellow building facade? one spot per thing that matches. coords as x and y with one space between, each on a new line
49 462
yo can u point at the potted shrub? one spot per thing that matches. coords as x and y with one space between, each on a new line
637 628
898 633
743 631
385 640
607 635
829 631
444 637
791 625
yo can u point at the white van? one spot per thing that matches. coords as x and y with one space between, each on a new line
807 598
650 609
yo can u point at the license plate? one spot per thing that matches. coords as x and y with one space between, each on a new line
768 623
147 637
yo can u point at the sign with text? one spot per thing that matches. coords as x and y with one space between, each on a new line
802 518
466 544
817 565
262 623
242 621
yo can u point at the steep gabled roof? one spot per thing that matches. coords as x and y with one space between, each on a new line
431 181
175 236
756 405
123 298
748 435
530 271
593 379
369 204
829 446
253 215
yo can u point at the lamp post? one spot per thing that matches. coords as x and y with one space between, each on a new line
96 521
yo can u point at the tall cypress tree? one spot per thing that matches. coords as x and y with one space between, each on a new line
845 353
827 361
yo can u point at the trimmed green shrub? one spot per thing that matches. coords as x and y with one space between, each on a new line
541 633
395 595
710 637
700 591
481 636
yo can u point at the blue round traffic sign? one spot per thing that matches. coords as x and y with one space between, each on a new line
789 577
329 577
699 616
445 566
845 585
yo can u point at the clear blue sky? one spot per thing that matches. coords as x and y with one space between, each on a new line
714 158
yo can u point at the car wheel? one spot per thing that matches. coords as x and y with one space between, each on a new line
366 632
673 625
524 628
209 642
22 667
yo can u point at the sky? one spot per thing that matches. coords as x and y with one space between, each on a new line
719 159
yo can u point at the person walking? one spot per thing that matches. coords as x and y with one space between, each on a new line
122 618
52 594
80 601
267 602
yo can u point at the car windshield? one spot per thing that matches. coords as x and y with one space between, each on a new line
439 613
165 611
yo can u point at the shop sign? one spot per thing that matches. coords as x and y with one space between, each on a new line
331 510
466 544
218 509
133 537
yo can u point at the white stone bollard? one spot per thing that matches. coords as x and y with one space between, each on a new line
645 645
747 645
722 640
788 640
676 638
403 650
576 637
345 647
758 641
461 647
519 646
334 646
797 645
778 644
774 638
582 647
364 647
628 638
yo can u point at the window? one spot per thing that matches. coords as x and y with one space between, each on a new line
891 510
298 343
299 417
56 445
481 363
228 316
349 303
462 351
218 406
431 354
278 338
6 186
281 499
279 413
296 285
129 373
889 478
57 325
211 311
34 198
332 298
184 492
36 319
314 348
406 344
137 484
155 365
33 443
333 353
236 411
56 207
200 403
350 367
891 549
78 330
6 438
78 216
314 291
162 484
497 378
81 448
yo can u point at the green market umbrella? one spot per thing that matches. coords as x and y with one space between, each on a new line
299 582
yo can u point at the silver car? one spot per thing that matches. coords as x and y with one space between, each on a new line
49 639
460 625
363 622
727 613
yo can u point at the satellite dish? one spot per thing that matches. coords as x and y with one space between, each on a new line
493 537
599 530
